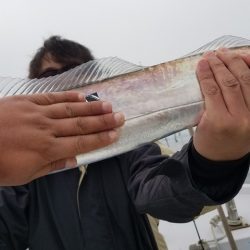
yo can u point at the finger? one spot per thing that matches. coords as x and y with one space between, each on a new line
87 125
75 145
55 167
229 85
74 109
213 98
56 97
239 69
246 58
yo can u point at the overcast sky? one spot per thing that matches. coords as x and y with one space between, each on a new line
145 32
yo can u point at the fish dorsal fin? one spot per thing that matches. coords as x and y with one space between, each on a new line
90 72
223 41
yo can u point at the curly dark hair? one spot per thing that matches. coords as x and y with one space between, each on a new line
62 51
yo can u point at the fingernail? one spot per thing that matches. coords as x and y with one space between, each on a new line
119 117
113 135
243 53
208 54
203 65
71 163
223 49
246 59
106 107
82 97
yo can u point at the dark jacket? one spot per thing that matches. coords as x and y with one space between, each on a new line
109 211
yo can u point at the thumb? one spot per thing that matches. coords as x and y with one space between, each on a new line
56 166
246 58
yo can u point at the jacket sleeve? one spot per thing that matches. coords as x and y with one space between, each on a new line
177 188
13 218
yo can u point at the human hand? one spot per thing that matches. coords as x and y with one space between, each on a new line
44 132
223 132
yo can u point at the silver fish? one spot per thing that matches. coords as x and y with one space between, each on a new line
157 101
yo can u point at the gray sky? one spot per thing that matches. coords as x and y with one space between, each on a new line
145 32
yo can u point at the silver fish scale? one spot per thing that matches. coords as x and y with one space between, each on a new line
144 129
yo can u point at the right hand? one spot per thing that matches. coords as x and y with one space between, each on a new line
223 133
42 133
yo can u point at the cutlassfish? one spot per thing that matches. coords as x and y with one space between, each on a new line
157 100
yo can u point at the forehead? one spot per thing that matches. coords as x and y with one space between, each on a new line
49 63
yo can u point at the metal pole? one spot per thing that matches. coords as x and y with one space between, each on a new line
233 218
228 232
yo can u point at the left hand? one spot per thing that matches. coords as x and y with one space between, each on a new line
42 133
223 132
